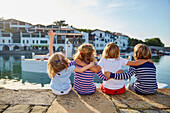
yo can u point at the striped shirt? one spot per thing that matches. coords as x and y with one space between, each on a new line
145 75
71 63
84 82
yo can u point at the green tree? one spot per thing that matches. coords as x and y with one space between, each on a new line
60 23
134 41
85 30
154 42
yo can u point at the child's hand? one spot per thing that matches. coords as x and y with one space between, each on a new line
51 34
120 71
107 74
92 64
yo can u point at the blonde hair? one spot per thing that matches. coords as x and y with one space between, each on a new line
86 53
55 64
111 51
141 51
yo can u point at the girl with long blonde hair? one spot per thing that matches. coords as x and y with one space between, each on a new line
84 82
59 69
111 61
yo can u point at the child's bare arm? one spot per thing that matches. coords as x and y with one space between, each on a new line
138 62
95 69
51 34
120 71
84 68
107 74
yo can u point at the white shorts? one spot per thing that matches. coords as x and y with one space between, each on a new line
61 92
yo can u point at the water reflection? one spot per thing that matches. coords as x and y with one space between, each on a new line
156 59
38 78
10 68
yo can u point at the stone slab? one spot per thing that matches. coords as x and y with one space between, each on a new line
18 109
3 107
75 103
150 111
39 109
118 102
128 111
34 97
99 102
131 100
161 99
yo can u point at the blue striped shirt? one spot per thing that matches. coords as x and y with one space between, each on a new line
145 75
84 82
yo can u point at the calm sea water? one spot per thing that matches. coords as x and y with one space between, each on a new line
11 70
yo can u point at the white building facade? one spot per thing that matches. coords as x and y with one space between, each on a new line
19 35
101 38
122 41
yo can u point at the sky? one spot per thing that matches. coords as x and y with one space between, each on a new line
139 19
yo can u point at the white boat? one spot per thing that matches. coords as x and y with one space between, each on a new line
37 64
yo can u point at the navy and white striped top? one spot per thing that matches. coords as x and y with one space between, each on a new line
84 82
145 75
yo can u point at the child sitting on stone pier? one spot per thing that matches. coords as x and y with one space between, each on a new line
59 70
145 74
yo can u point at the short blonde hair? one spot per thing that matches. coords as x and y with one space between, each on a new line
86 53
56 65
111 51
141 51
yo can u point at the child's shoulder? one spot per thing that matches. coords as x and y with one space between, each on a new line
147 64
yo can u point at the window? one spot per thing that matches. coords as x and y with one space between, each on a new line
97 45
9 41
101 45
35 35
27 41
3 41
100 34
43 41
37 41
23 41
96 38
33 42
63 36
63 31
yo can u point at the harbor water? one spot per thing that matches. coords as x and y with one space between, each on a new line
12 76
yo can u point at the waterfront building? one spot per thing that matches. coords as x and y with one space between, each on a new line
18 35
121 40
35 37
100 39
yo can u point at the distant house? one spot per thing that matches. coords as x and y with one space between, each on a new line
100 39
19 35
121 40
34 37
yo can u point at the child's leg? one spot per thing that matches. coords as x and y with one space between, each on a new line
131 87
